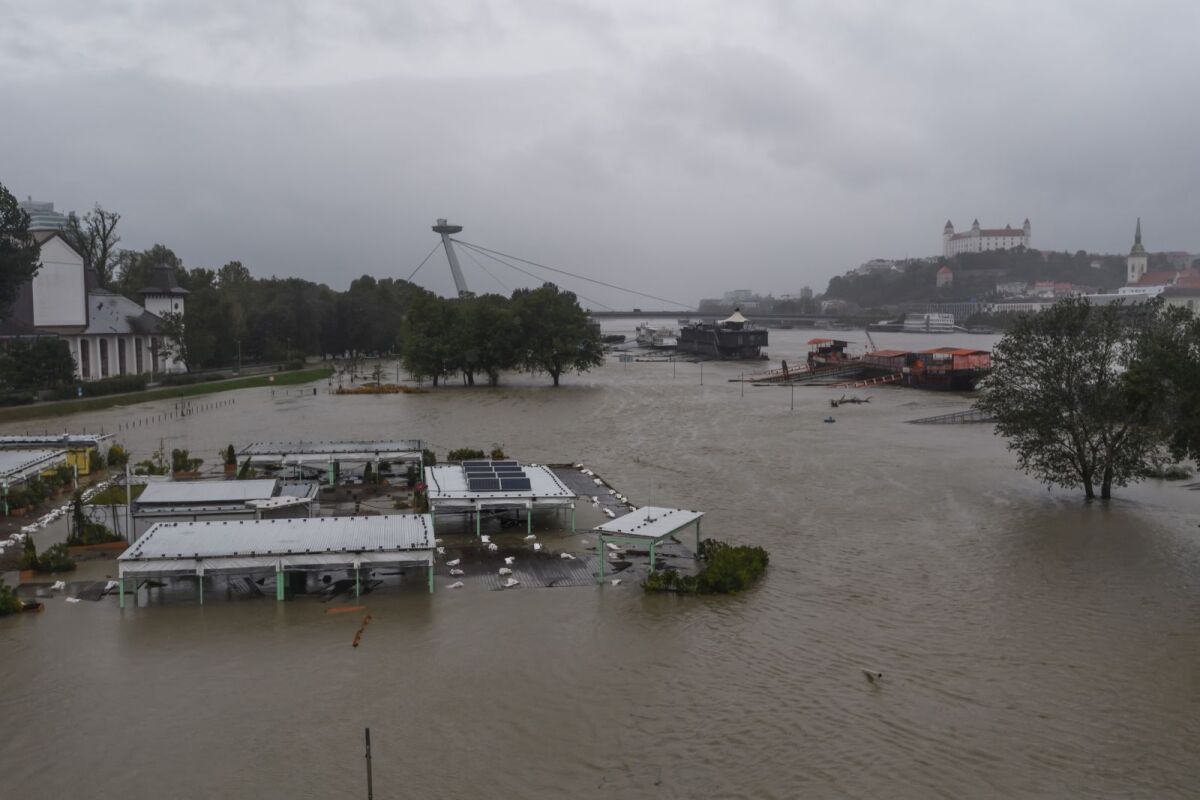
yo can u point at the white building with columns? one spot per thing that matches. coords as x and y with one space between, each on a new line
978 239
108 334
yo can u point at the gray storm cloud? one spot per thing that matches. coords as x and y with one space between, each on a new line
680 148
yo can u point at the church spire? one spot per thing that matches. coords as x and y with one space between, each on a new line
1137 239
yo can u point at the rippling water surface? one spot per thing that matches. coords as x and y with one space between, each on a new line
1032 645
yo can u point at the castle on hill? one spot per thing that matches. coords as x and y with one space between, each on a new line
979 240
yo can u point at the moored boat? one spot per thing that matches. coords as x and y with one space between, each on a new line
731 338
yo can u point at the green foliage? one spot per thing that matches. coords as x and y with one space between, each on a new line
555 332
429 351
17 498
975 276
55 558
182 462
115 495
30 365
229 455
412 475
83 530
117 456
18 250
117 384
9 602
65 474
728 569
29 556
155 465
429 458
15 398
95 461
95 238
538 330
1075 390
1165 371
420 502
497 453
464 454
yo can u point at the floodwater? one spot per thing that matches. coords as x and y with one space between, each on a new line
1032 645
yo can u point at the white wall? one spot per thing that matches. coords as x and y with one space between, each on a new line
59 296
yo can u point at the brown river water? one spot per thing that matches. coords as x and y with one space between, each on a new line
1032 645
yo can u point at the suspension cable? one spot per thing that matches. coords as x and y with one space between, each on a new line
538 278
573 275
423 260
479 264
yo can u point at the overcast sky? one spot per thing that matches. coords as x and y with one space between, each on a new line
679 147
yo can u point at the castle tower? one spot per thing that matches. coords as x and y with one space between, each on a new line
947 235
1135 264
1027 230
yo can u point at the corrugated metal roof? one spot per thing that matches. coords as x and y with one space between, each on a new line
201 492
888 353
283 537
449 482
15 462
651 522
50 440
373 449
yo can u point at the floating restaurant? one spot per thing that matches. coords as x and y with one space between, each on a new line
732 338
210 501
484 486
288 549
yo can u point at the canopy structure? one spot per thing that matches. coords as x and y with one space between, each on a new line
63 440
468 488
334 453
646 526
215 500
18 466
178 549
79 446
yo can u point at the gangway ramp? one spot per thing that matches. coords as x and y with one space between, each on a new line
957 418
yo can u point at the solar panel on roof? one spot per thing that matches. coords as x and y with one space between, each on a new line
475 462
514 484
506 468
506 462
483 484
477 468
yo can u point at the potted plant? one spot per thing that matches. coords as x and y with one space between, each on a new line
230 459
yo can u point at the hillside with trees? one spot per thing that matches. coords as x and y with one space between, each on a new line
975 276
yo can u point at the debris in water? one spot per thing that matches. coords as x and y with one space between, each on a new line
456 585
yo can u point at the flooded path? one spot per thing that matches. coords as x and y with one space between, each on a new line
1031 645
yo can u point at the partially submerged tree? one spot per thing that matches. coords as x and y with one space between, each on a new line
1064 395
18 250
1165 370
555 331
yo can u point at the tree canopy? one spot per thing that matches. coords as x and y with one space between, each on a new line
95 238
1079 393
540 330
18 250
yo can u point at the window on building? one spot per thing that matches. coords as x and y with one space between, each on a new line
121 369
154 354
137 355
104 358
85 358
